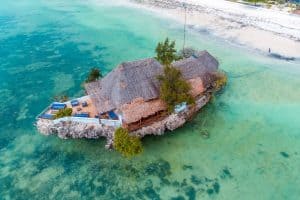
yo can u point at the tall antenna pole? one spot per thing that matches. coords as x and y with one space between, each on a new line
184 31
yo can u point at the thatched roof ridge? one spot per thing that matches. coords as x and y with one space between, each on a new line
138 79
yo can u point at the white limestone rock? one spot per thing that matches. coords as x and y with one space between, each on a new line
72 129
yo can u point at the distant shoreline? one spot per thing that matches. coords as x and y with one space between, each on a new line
266 30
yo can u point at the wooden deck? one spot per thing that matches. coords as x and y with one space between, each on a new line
91 109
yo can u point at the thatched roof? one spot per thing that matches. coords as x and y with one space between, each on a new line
130 80
138 79
201 65
138 108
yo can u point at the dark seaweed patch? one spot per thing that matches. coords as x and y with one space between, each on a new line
132 171
165 181
151 193
20 194
216 187
160 168
6 183
95 168
139 195
149 183
209 191
183 183
207 180
186 167
284 154
46 157
196 180
225 173
175 184
3 143
70 163
101 190
178 198
190 193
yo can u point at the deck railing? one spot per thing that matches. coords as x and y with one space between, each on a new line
106 122
180 107
78 119
110 122
83 98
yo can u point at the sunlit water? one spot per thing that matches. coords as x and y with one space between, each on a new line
47 47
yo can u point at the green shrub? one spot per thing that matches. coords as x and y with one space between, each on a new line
220 80
173 88
63 113
94 75
166 52
125 144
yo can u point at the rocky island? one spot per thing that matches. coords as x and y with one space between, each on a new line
144 97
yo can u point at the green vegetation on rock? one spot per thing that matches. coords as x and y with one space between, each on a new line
220 80
125 144
166 52
174 89
94 75
66 112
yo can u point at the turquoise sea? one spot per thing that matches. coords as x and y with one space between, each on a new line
47 48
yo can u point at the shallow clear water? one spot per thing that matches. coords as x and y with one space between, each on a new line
47 47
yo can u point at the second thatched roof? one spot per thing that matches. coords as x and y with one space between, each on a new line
138 79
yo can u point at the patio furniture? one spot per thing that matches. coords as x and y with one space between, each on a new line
46 116
113 115
74 103
82 115
53 112
58 106
84 104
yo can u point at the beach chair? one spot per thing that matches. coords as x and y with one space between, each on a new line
84 104
75 103
84 114
46 116
112 115
58 106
